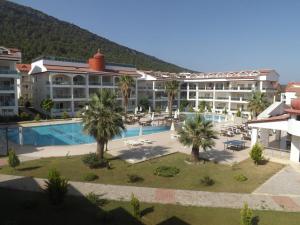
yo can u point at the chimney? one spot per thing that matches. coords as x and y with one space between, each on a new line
97 61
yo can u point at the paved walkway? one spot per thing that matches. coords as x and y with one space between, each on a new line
164 196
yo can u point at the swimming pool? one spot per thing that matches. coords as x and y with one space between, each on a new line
67 134
207 117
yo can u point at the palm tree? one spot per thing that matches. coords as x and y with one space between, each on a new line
102 119
202 106
257 103
197 133
125 85
171 90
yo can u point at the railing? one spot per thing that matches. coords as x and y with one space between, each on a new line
235 98
205 97
61 96
61 110
78 83
94 82
222 98
7 103
245 88
107 83
7 87
79 96
61 82
8 72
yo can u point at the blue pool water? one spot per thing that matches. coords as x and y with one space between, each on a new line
207 117
67 134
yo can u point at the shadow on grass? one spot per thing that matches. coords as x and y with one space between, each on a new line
29 168
173 221
145 211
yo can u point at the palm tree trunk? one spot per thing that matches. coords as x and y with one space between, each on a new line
100 149
125 106
170 103
195 154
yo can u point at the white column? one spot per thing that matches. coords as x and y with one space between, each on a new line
197 96
254 136
87 86
295 149
153 95
283 140
72 96
50 86
136 93
214 97
264 137
260 85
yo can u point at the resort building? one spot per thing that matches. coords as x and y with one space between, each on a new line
222 91
70 83
25 86
9 57
283 125
292 91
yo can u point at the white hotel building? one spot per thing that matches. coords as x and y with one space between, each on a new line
222 90
70 84
9 57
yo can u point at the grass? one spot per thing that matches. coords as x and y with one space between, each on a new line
20 207
189 176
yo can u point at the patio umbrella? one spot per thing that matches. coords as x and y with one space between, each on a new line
141 131
167 109
175 115
152 116
136 110
141 109
178 111
149 110
172 126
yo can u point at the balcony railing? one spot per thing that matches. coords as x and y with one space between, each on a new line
107 83
245 88
61 96
7 87
205 97
61 82
79 96
222 98
235 98
7 103
54 110
78 83
94 82
8 72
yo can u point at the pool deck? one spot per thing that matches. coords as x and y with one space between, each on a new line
162 144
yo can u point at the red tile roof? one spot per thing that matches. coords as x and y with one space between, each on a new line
24 67
293 87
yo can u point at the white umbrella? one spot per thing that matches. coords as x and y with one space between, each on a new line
136 110
152 116
167 109
149 110
178 111
141 109
141 131
175 115
172 126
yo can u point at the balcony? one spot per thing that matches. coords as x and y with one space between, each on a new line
222 98
61 110
61 96
7 103
6 87
8 72
205 97
107 83
62 82
79 95
246 88
78 83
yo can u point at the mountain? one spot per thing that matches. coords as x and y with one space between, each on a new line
36 34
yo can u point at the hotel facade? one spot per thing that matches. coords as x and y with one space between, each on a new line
9 76
71 83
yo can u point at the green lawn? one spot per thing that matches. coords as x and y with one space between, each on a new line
20 207
188 178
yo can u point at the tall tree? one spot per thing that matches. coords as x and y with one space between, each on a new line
125 85
197 133
171 88
257 103
47 104
102 119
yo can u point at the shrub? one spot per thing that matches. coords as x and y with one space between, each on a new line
90 177
24 116
92 161
238 113
135 203
95 199
133 178
246 215
207 181
166 171
65 115
37 117
56 187
13 159
240 177
256 153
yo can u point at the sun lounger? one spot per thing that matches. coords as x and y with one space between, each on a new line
133 143
145 141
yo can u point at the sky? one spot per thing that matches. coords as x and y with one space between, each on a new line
207 36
